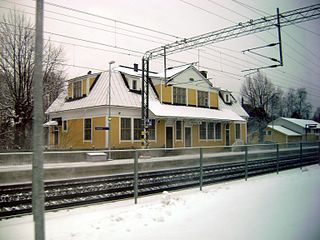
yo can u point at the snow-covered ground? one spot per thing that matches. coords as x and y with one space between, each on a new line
284 206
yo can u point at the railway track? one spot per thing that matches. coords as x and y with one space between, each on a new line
16 199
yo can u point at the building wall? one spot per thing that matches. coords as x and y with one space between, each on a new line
294 139
84 87
214 100
74 136
275 136
191 97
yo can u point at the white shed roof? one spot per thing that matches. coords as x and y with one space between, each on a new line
302 122
284 130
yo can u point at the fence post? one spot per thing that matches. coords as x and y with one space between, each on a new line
319 152
201 168
277 145
246 161
135 177
301 155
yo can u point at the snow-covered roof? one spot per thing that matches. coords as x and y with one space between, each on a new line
284 130
302 122
174 111
131 72
234 107
120 95
171 72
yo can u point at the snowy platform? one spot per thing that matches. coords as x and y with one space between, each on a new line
284 206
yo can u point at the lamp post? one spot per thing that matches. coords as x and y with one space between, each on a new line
109 108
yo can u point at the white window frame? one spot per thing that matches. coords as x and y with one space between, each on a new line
131 130
202 98
215 131
84 130
173 94
235 131
181 130
73 89
65 125
206 137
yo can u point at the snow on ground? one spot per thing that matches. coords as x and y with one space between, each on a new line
284 206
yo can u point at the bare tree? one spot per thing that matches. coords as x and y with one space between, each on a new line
261 96
17 38
316 116
296 104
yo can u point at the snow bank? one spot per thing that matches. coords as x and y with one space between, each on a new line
284 206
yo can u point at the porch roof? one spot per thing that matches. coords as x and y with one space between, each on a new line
173 111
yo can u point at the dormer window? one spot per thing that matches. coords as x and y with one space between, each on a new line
227 98
134 84
77 90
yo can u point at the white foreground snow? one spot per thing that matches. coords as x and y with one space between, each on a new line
284 206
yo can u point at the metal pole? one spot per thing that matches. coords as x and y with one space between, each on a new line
37 132
201 168
135 177
319 152
109 110
277 158
300 155
279 36
246 161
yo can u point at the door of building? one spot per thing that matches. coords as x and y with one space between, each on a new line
169 137
187 137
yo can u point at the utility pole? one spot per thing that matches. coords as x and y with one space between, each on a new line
37 131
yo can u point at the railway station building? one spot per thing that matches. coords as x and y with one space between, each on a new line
185 111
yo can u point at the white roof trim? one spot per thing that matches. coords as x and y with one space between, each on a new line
50 123
173 111
284 130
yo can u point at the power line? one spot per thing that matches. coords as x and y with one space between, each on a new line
110 19
207 11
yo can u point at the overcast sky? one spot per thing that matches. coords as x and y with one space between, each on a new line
95 32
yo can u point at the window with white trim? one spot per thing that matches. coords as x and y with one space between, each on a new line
238 133
179 130
152 129
87 129
137 128
134 84
203 98
218 130
65 125
77 89
210 130
203 131
125 129
179 95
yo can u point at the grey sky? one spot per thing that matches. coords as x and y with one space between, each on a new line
87 46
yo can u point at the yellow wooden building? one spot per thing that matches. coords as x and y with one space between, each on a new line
286 130
186 111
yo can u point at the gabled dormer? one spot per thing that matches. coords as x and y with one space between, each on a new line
186 85
226 96
80 87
